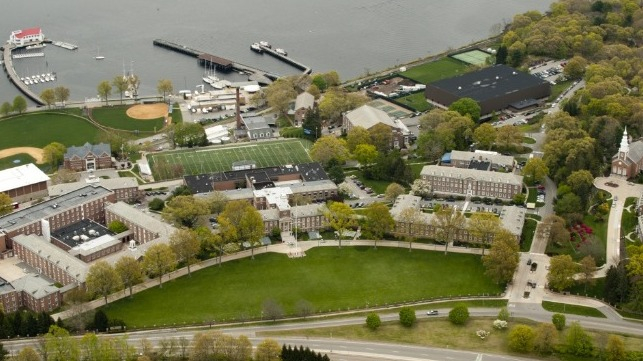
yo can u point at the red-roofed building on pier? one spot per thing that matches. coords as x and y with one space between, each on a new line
26 36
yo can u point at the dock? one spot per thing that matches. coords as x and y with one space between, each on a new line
305 69
64 45
27 55
13 76
178 48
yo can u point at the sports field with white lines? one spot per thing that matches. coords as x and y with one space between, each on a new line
220 158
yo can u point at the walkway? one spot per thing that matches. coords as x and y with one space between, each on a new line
15 78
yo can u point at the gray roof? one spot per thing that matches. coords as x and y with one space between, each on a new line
111 183
498 159
367 116
635 152
63 260
512 219
38 286
304 100
85 149
478 175
255 122
53 206
141 219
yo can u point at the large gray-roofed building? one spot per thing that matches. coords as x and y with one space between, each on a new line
462 159
125 188
494 88
471 182
134 218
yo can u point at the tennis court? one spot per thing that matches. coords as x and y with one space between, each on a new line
219 159
473 57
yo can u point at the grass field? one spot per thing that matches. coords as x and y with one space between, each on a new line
41 128
527 237
416 101
219 159
328 277
629 220
6 163
436 70
572 309
115 117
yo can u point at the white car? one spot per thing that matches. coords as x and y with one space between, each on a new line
432 312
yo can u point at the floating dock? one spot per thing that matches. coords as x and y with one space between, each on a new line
286 59
64 45
13 76
27 55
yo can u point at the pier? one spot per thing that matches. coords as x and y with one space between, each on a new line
286 59
178 48
64 45
13 76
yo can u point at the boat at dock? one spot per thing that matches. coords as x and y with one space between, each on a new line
35 46
265 44
281 51
256 47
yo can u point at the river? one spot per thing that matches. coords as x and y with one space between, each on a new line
350 36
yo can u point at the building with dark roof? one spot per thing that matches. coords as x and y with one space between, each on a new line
494 88
88 157
628 162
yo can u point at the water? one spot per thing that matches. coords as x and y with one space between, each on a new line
351 37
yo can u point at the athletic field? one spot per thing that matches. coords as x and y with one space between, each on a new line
220 158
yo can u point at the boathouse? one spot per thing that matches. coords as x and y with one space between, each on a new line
209 61
26 36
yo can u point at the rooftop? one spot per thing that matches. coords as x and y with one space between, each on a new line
27 32
21 176
111 183
367 116
304 100
493 157
85 149
255 122
52 206
277 196
63 260
35 284
141 219
488 83
478 175
80 232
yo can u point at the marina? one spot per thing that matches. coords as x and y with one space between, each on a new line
282 55
13 76
27 55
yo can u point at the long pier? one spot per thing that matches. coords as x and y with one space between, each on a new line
286 59
13 76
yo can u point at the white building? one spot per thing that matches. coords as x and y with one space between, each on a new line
26 36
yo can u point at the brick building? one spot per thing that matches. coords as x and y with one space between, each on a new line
125 188
88 157
471 182
628 162
33 291
24 183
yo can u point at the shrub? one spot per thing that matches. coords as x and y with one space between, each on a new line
499 324
482 334
117 226
157 204
459 314
407 316
579 342
373 321
521 338
559 320
503 314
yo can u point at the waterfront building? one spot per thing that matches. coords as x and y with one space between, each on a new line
25 37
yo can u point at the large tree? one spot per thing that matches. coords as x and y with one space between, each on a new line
121 84
357 136
5 109
102 279
159 259
164 87
19 104
241 222
365 154
340 217
327 148
394 190
104 90
483 226
467 107
268 350
378 221
535 170
6 202
280 93
48 96
185 210
587 270
447 222
561 272
54 154
130 271
62 94
485 135
186 246
509 135
503 258
336 101
60 346
412 220
381 137
581 182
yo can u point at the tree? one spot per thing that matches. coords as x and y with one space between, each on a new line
568 204
467 107
6 204
545 338
104 89
394 190
159 259
378 221
373 321
101 322
503 314
407 316
19 104
579 342
130 272
587 270
575 67
121 84
27 354
217 201
615 349
559 321
185 210
336 101
62 94
381 137
483 226
459 315
501 55
164 87
521 339
117 226
60 346
616 284
280 93
357 136
186 246
581 182
561 272
48 96
485 135
54 153
509 135
339 216
335 171
5 109
503 258
447 223
102 279
241 222
156 204
410 220
535 170
557 228
304 308
329 147
365 154
187 135
312 123
272 310
268 350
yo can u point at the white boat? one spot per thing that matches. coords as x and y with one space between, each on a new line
218 85
281 51
265 44
36 81
47 78
35 46
213 78
98 56
207 80
256 47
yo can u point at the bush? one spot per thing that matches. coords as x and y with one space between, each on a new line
521 338
499 324
459 315
157 204
373 321
407 317
579 342
559 320
117 226
482 334
503 314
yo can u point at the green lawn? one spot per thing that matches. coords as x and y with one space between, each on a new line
177 116
416 101
435 70
597 290
528 140
116 117
6 163
629 221
41 128
557 89
572 309
328 277
219 159
527 234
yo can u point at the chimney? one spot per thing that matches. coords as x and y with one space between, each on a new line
238 110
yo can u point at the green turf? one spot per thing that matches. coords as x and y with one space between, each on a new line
177 116
328 277
219 159
629 221
41 128
527 235
6 163
116 117
436 70
558 89
416 101
528 140
572 309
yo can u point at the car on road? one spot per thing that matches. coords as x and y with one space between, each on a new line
534 266
432 312
529 262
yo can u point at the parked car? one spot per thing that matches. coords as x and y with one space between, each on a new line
432 312
529 262
534 266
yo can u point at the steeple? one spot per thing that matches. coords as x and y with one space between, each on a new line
625 147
